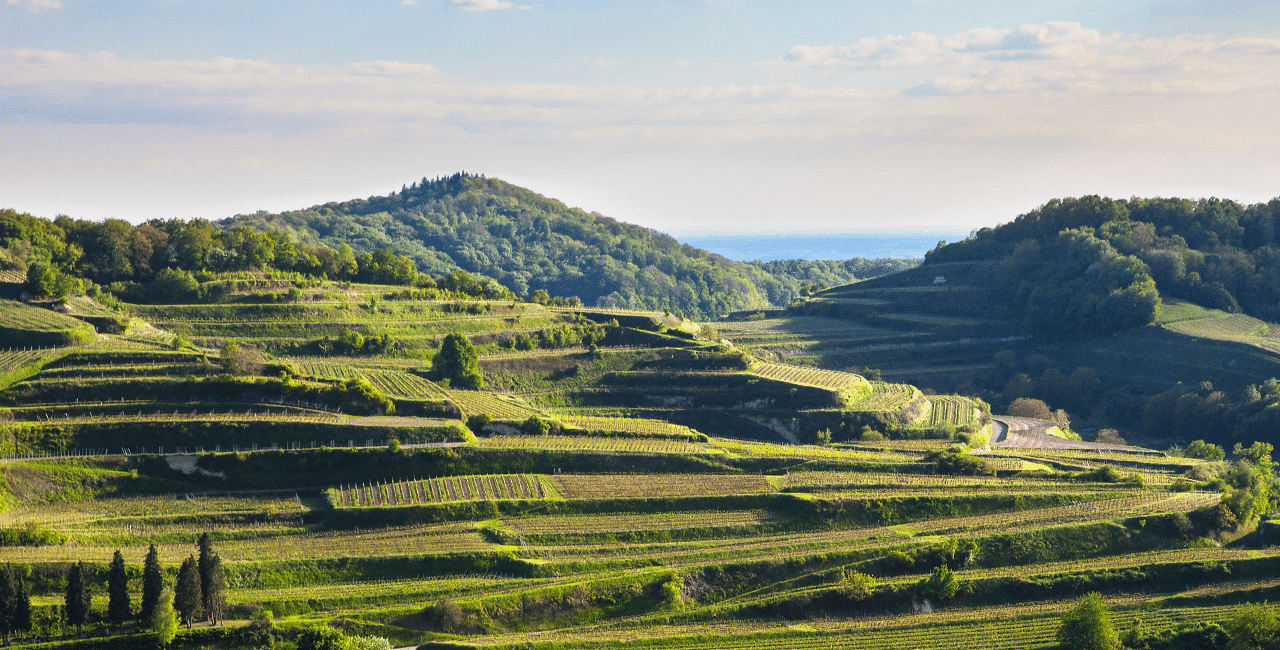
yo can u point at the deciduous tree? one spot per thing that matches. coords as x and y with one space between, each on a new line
458 362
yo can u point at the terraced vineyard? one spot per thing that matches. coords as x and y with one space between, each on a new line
442 490
395 383
639 486
594 443
954 411
623 527
887 397
580 524
481 403
638 426
825 379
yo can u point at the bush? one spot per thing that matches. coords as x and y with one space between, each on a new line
443 616
260 632
942 584
477 423
856 586
959 463
1088 626
1253 626
321 638
368 643
536 426
1207 451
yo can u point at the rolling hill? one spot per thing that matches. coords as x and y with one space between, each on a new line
1074 304
528 242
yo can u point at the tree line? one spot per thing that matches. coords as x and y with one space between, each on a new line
1093 264
529 242
523 241
199 594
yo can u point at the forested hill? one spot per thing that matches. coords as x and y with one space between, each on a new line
1090 265
528 242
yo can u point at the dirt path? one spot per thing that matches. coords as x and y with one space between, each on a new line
1030 433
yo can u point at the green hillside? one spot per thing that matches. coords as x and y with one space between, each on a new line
391 458
529 242
1088 305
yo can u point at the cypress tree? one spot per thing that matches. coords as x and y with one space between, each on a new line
152 583
22 607
187 596
205 565
77 597
8 601
118 610
215 596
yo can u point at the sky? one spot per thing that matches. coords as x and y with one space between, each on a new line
693 117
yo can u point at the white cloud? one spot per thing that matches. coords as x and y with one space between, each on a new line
390 68
36 6
1055 56
979 107
482 5
408 3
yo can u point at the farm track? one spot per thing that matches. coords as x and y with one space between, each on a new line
1030 433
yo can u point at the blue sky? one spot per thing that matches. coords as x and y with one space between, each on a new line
708 116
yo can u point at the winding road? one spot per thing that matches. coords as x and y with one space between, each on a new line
1029 433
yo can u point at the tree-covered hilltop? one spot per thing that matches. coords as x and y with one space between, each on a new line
502 233
1215 252
528 242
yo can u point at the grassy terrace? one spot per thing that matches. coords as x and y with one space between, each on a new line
675 500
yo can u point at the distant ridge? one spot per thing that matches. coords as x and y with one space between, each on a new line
527 242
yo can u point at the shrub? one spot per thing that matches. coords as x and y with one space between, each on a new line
856 586
321 638
478 422
1088 626
940 585
260 632
823 437
958 463
443 616
1253 626
536 426
1202 449
368 643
